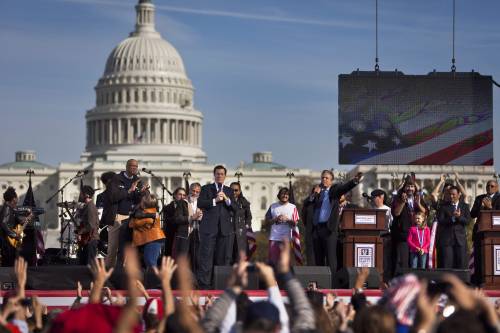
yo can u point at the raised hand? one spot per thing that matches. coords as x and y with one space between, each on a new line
132 266
167 269
284 262
266 273
487 202
21 271
239 276
363 273
79 289
358 177
141 288
99 271
317 189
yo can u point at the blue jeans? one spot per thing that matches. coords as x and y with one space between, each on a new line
152 253
418 260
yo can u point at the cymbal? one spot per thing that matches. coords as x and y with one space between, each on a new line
67 204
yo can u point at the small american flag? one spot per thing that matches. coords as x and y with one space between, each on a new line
432 247
471 261
297 248
251 242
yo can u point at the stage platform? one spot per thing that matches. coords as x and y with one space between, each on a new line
56 285
63 299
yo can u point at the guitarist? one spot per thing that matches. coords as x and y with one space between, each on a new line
88 229
9 223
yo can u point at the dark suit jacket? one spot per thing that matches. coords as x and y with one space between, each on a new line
216 217
401 224
335 193
111 198
447 229
476 207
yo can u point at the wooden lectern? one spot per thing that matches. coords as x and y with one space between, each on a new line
489 231
362 244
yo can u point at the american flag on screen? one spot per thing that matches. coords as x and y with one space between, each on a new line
413 122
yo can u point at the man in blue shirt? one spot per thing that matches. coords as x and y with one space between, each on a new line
325 200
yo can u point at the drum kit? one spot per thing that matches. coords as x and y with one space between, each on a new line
70 222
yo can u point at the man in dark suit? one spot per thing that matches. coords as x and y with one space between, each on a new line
325 200
488 201
217 203
453 218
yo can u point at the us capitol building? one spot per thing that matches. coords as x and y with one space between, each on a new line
145 109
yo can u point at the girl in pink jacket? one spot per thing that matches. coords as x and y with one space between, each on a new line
419 238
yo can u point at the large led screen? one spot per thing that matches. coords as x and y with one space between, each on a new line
438 118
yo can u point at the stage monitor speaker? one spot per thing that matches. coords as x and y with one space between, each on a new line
222 274
346 277
436 274
8 279
58 277
321 275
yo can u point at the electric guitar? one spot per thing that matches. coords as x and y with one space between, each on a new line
19 230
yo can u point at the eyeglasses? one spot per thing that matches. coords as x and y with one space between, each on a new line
236 191
491 185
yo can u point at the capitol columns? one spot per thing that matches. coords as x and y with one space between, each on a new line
148 130
119 130
165 125
110 131
102 130
129 131
157 131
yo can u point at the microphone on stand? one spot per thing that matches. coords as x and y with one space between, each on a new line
146 171
367 197
82 172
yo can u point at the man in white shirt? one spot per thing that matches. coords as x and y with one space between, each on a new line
378 202
194 238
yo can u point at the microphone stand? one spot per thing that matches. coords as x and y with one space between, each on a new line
62 213
163 189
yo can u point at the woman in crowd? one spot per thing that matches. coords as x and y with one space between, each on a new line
282 215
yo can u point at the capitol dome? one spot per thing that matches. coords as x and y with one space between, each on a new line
144 101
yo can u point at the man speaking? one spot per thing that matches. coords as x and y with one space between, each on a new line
217 202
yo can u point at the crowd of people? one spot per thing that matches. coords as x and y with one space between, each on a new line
407 305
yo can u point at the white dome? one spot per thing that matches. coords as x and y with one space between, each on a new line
144 53
144 101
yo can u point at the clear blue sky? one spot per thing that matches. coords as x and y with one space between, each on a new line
265 71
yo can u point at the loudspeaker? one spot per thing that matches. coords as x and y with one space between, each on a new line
58 277
222 274
346 277
436 274
7 278
321 275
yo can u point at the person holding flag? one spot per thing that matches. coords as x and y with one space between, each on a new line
296 244
283 216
